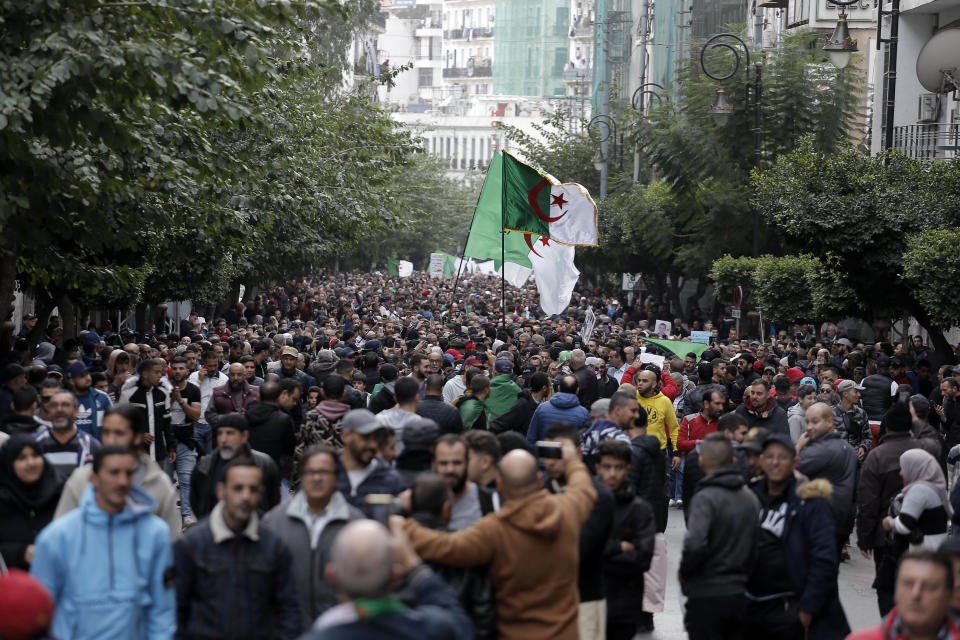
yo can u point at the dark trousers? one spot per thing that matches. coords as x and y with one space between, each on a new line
621 631
885 561
716 617
772 619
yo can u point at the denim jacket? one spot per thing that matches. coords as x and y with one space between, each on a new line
237 585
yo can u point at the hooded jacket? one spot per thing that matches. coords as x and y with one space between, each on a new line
623 570
381 479
538 531
810 552
518 417
601 429
720 547
562 406
796 421
771 417
648 475
832 457
880 482
503 395
290 523
110 575
155 483
272 432
202 500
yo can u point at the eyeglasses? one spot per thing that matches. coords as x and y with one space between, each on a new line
316 473
826 390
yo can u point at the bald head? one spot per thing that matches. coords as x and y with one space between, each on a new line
363 560
819 420
518 473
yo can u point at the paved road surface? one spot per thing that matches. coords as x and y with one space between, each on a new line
859 600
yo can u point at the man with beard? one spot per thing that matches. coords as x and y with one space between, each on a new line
91 403
234 577
184 412
65 448
450 462
365 473
234 397
288 369
232 434
760 409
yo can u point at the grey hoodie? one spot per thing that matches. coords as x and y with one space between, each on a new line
154 482
797 421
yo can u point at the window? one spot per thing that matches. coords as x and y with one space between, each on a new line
426 78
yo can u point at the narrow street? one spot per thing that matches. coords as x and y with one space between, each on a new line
856 575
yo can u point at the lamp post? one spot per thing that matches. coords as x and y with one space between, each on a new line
602 129
638 102
722 109
840 46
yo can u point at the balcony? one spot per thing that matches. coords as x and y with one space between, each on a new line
582 74
927 141
469 33
468 72
453 34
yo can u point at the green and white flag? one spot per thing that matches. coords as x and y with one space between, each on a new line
550 262
535 202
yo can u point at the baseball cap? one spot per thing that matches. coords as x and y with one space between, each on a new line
360 421
794 374
782 439
419 433
371 345
77 368
453 352
883 361
347 353
593 361
808 380
564 356
473 362
26 607
11 371
846 385
503 366
30 316
755 439
844 342
290 351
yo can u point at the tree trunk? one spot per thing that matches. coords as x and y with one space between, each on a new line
140 317
8 282
229 301
68 317
944 352
675 307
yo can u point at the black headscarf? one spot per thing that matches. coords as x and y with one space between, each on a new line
34 495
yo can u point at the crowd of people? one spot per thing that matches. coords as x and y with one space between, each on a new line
365 456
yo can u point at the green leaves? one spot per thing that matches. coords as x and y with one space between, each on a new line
931 267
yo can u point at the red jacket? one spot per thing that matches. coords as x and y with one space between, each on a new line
667 386
886 631
223 400
693 429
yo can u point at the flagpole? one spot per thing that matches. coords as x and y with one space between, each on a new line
463 254
503 277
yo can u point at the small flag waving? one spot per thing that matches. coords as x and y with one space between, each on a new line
536 203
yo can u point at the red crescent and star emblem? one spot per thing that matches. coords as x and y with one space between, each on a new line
534 193
527 237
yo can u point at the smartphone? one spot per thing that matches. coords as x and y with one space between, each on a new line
549 450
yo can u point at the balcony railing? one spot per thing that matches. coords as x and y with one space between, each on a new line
468 33
927 141
453 34
475 71
582 74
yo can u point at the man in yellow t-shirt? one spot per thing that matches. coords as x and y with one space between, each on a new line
661 418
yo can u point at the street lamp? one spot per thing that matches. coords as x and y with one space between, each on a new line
602 129
840 46
721 109
638 102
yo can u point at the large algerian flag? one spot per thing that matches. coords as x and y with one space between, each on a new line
400 268
551 263
679 348
534 202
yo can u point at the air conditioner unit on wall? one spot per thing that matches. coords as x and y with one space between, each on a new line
928 107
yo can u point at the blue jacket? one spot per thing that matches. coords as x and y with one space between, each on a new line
90 410
809 544
111 576
382 479
562 406
437 616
